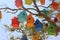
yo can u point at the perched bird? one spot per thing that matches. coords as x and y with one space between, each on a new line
22 16
30 21
38 25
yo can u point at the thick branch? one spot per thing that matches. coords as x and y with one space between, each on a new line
44 6
27 10
34 1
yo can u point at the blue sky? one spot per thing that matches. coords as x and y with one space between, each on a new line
4 35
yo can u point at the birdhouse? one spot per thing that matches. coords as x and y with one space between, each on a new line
55 5
15 22
58 15
30 21
38 25
51 29
42 2
24 37
29 2
18 3
46 12
0 15
35 37
22 16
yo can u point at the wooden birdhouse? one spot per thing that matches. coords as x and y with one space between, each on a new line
15 22
46 12
35 37
30 21
29 2
51 29
58 16
24 37
22 16
42 2
55 5
18 3
0 15
38 25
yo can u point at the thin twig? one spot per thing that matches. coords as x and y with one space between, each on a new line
17 9
27 10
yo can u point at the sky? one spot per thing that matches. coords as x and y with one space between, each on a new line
4 35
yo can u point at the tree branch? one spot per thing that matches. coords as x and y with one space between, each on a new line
34 1
44 6
17 9
48 19
37 9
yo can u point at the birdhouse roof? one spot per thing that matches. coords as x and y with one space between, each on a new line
37 21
